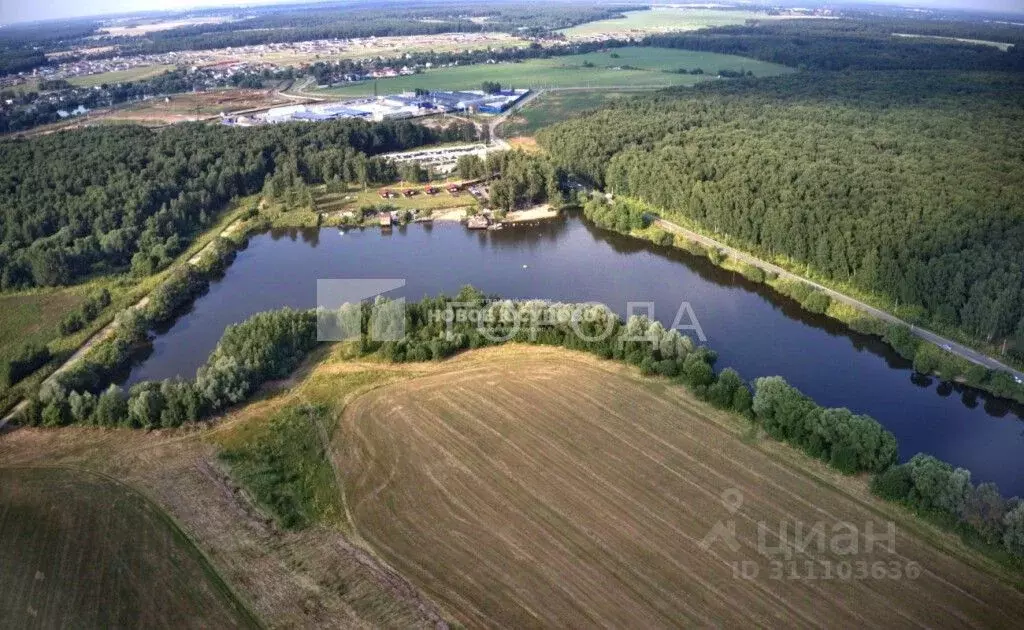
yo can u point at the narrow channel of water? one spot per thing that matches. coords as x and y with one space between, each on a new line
752 330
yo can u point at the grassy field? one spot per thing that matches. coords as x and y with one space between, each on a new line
633 67
284 467
661 19
525 487
553 107
79 550
34 317
120 76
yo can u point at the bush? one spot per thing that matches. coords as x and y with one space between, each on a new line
849 442
30 358
71 323
816 302
893 484
794 289
285 468
90 310
179 290
902 340
663 238
752 273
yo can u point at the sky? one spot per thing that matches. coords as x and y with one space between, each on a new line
25 10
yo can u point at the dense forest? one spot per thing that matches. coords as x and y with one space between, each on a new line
104 199
904 185
865 43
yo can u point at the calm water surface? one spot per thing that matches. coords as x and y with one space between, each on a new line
752 330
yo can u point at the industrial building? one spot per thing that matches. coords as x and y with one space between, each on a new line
393 107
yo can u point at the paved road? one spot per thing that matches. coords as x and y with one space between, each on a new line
927 335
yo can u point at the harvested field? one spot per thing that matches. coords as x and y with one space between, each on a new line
185 107
314 578
531 487
85 551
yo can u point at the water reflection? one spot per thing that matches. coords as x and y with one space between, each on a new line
751 328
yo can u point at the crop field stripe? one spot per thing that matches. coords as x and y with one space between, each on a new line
700 487
556 519
592 495
561 517
782 488
748 490
140 567
635 507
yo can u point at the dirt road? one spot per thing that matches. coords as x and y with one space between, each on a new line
107 331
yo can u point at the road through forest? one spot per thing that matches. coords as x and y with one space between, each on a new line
947 344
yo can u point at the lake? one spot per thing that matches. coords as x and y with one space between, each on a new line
752 329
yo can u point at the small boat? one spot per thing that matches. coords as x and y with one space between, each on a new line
524 267
495 226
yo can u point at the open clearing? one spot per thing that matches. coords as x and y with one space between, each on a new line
355 198
185 107
120 76
80 550
126 28
524 486
661 20
633 67
958 40
530 487
300 53
556 106
34 316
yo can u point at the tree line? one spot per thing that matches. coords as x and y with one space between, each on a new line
271 345
860 43
632 217
893 184
976 512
